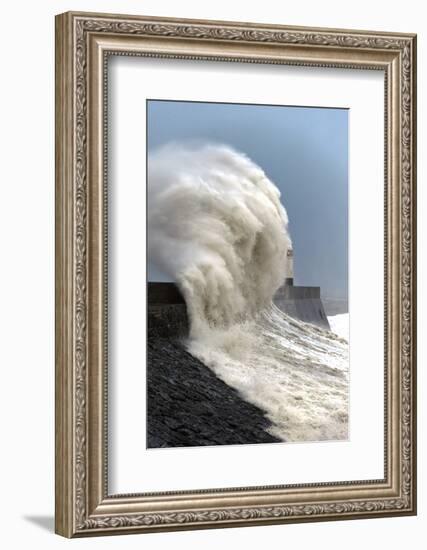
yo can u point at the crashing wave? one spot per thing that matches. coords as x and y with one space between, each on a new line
218 228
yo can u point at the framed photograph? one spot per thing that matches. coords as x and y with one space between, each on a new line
235 274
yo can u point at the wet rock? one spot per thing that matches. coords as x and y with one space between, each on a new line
187 405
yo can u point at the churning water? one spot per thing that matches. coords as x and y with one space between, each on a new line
217 226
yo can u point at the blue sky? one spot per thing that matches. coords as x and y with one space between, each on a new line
303 150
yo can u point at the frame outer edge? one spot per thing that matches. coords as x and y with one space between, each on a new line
249 25
64 237
414 272
72 399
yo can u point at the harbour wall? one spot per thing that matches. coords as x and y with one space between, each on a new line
167 315
303 303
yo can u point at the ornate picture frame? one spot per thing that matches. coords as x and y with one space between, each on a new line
84 506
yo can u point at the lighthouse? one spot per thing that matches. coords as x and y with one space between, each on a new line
301 302
290 267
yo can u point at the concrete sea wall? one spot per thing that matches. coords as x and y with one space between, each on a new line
167 313
303 303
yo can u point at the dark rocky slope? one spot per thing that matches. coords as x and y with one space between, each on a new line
187 405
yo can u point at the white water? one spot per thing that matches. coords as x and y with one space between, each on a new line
340 325
218 228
